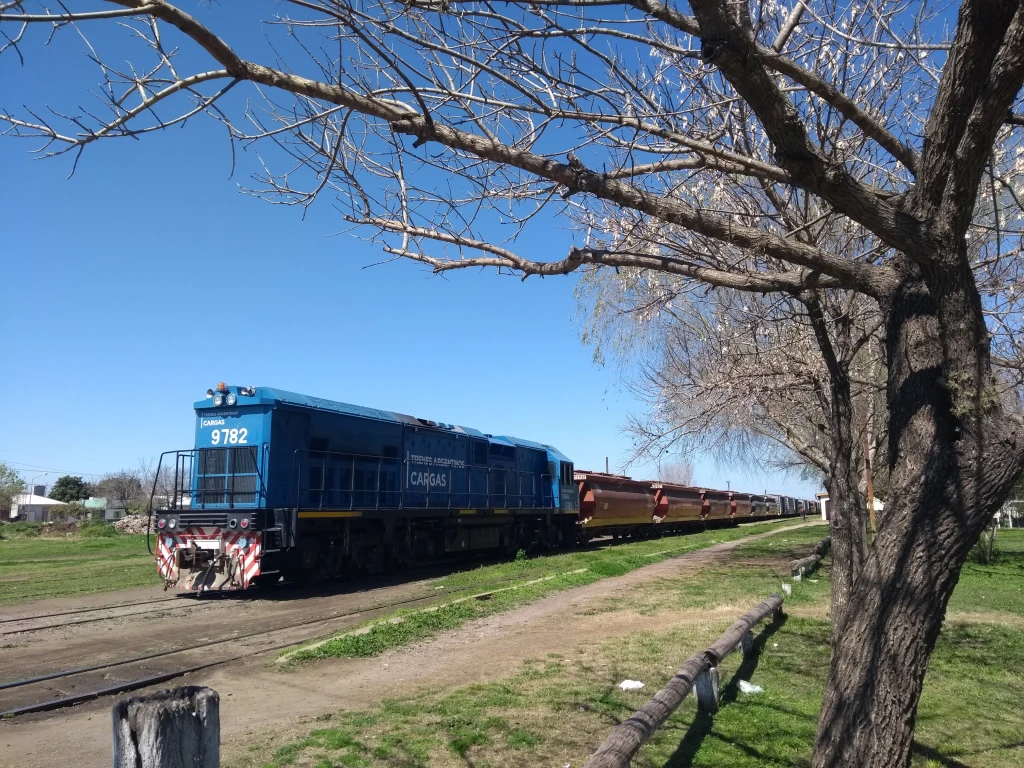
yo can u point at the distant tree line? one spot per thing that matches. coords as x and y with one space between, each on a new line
128 488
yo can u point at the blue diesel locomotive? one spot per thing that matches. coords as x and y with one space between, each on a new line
282 484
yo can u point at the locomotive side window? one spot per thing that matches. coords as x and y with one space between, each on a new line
503 452
479 453
317 447
566 473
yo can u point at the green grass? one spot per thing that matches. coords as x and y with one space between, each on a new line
555 711
998 587
599 563
33 568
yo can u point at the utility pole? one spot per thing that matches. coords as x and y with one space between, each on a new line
867 476
30 491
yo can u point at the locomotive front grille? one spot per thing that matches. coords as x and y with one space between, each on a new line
205 519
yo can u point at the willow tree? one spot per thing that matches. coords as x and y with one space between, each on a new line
658 129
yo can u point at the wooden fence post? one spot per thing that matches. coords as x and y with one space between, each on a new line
706 689
699 673
747 643
170 729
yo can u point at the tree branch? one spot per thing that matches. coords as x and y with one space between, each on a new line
986 119
143 9
773 59
502 257
870 279
731 48
980 34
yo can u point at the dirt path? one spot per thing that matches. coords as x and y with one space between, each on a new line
257 699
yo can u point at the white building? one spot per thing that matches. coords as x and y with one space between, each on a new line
112 510
826 508
33 508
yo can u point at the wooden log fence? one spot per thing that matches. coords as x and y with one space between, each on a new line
798 568
170 729
698 673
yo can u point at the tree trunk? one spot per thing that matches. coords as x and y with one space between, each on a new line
953 457
846 521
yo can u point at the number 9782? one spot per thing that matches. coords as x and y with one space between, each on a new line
230 436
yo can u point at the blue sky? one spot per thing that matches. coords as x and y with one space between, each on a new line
147 277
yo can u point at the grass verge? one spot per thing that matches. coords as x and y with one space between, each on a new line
559 572
557 709
33 568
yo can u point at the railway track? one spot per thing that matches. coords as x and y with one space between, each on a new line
65 688
17 625
68 687
76 611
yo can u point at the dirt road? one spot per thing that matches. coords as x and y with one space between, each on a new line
256 697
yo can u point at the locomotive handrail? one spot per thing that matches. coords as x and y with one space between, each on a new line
152 494
259 493
304 497
185 483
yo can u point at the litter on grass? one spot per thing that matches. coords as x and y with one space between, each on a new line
787 588
631 685
746 687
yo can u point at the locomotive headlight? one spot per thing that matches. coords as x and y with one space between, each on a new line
172 523
244 522
230 398
161 523
218 401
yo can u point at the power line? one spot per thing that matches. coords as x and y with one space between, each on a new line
51 469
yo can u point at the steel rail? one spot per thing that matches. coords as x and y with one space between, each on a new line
87 610
160 654
77 622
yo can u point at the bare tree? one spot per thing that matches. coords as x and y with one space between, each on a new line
11 485
159 482
676 471
125 488
746 378
663 136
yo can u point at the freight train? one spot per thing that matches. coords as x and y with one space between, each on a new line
280 484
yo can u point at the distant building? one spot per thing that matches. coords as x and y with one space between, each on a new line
1012 514
112 510
33 508
826 508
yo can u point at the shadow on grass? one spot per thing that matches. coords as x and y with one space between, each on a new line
930 753
606 698
703 722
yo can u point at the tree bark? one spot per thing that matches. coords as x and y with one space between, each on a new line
953 457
